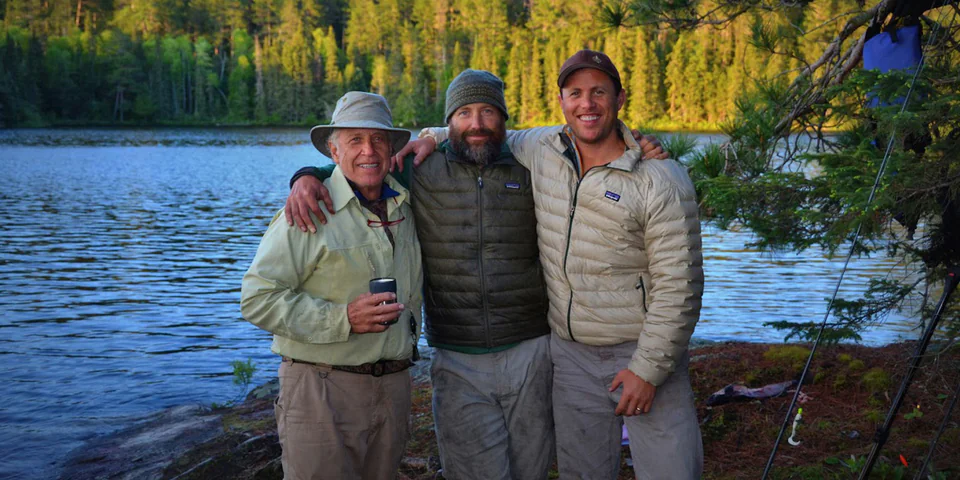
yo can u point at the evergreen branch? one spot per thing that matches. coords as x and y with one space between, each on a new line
831 20
682 14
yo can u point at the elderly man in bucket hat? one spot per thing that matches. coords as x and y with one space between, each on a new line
344 402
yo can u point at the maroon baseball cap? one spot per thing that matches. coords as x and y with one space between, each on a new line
589 59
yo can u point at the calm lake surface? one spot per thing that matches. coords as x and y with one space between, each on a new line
121 254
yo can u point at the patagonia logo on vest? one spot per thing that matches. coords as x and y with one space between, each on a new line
512 186
612 196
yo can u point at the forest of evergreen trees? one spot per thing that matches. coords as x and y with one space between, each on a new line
186 62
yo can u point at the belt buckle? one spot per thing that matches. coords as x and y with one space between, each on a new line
378 369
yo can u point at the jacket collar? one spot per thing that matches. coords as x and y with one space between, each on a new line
626 162
505 157
342 193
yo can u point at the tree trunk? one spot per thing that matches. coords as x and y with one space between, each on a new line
118 103
79 9
259 101
173 98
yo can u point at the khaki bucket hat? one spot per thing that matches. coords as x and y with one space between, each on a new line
360 110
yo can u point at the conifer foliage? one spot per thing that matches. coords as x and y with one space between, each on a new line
287 61
805 161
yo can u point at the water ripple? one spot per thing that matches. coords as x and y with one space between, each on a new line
120 268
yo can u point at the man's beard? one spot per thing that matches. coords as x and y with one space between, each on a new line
483 154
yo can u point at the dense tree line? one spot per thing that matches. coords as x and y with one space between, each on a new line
287 61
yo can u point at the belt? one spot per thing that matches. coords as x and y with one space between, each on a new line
377 369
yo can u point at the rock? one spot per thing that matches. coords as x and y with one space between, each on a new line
269 389
272 470
701 342
420 371
143 451
414 463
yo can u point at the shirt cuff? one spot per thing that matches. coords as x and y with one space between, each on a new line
427 133
312 171
648 371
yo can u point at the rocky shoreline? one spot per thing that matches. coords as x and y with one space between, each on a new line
163 445
849 391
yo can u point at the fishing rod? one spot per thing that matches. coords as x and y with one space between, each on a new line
853 245
936 438
953 277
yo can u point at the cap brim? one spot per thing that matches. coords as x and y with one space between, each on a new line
562 78
321 133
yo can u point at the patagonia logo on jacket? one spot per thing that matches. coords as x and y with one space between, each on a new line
612 196
512 186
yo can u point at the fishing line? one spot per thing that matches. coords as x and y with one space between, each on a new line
853 245
936 438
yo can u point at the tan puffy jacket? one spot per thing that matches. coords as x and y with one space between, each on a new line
620 249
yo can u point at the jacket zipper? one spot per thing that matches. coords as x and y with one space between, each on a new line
643 291
483 278
566 253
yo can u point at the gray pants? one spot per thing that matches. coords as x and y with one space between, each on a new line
336 425
664 443
493 412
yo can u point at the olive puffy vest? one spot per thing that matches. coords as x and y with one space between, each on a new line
483 285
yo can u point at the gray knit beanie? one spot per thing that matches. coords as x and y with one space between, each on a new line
475 86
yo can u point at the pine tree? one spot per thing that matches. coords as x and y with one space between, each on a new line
138 17
533 107
202 78
259 96
645 85
616 47
516 68
380 77
552 60
675 79
330 54
696 81
408 108
241 77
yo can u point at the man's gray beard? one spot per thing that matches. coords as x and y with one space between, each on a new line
482 155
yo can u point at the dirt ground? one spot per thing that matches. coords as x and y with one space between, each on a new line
850 389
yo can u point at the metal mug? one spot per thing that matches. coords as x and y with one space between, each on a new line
383 285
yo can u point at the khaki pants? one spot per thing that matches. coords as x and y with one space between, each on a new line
339 425
494 419
665 443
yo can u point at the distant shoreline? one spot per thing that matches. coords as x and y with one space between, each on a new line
247 126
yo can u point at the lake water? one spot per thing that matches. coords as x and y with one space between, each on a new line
121 253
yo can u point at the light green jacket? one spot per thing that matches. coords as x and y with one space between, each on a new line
299 284
620 248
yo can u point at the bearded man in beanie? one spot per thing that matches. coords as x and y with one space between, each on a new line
620 245
484 293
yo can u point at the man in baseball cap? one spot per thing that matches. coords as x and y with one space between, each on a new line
589 59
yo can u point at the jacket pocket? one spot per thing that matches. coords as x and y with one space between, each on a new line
643 293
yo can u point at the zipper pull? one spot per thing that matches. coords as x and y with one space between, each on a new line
480 182
572 208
